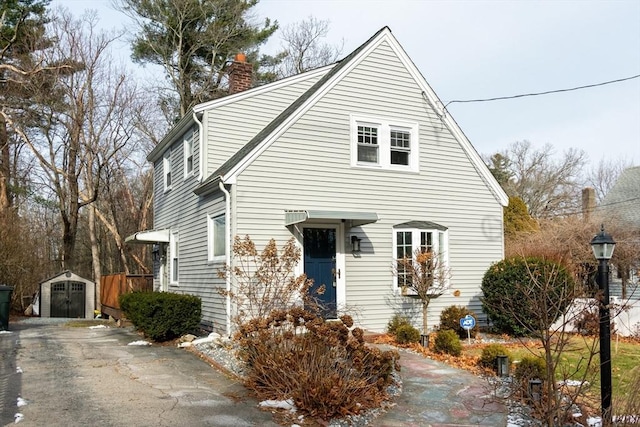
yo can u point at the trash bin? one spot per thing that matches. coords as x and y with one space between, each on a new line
5 304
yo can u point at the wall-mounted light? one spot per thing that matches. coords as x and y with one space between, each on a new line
155 252
355 244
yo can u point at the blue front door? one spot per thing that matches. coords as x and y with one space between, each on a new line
320 265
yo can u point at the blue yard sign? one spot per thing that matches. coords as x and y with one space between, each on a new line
468 322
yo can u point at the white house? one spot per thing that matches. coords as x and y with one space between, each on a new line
358 151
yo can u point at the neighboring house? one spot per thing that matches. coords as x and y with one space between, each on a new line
623 200
360 152
622 204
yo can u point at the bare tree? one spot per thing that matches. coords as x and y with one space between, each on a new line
423 276
304 49
603 176
79 124
549 185
533 294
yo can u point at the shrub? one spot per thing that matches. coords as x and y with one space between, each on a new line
523 296
396 321
162 316
407 334
490 355
530 367
587 322
296 354
450 319
447 341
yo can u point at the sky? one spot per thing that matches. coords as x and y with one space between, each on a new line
484 49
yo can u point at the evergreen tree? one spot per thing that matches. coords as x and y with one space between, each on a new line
21 33
194 41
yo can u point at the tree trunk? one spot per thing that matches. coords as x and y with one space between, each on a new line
5 167
425 306
95 253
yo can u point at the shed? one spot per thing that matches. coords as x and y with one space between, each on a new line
67 295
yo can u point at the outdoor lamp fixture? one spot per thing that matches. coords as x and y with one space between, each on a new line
603 245
355 244
503 365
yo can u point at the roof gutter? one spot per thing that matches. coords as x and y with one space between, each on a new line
227 250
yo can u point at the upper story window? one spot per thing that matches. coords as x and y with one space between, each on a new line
384 143
188 156
418 237
166 170
368 144
216 241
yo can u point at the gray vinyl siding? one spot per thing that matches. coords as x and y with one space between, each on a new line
231 126
181 210
308 167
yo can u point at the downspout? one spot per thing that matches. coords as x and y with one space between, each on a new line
227 240
202 156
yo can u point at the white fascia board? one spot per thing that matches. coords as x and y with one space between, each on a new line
451 124
266 143
287 81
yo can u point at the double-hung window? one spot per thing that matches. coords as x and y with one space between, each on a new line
419 237
174 245
216 241
400 147
368 147
389 144
188 156
166 169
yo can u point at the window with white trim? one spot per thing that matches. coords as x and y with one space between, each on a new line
188 156
216 242
390 144
174 245
410 241
166 169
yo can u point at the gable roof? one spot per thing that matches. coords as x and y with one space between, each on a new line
623 200
188 119
229 170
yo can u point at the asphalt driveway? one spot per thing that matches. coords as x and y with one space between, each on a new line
81 377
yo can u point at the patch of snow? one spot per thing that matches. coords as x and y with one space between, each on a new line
594 422
21 402
626 419
572 383
18 417
185 344
212 337
18 370
6 332
140 342
98 327
279 404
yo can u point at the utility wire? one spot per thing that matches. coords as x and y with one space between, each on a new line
499 98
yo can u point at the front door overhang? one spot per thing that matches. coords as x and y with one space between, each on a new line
353 219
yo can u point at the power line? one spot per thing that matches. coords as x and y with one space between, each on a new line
523 95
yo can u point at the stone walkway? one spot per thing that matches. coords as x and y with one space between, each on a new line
437 395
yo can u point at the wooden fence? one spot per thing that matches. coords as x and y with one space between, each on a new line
114 285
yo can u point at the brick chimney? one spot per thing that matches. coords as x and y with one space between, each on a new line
588 202
240 74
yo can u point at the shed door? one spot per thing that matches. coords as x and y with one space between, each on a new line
68 299
320 265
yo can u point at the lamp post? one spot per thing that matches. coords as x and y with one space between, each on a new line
603 245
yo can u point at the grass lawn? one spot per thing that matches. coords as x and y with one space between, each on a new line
625 363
